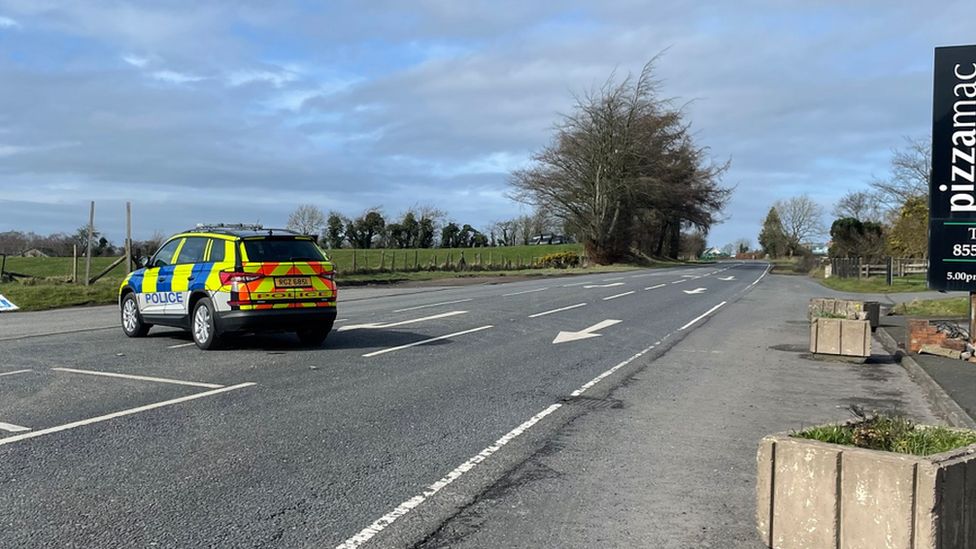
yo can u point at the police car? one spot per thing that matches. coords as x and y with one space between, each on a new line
218 279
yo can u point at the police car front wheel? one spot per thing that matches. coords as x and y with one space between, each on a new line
202 325
132 323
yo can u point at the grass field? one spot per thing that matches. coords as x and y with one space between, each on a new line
51 289
876 284
347 260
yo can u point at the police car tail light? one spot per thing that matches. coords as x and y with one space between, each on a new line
230 277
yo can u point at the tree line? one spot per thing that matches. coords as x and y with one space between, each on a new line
417 227
63 244
888 218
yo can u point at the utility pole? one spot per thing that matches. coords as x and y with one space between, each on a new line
91 234
128 237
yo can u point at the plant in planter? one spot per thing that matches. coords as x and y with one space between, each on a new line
877 482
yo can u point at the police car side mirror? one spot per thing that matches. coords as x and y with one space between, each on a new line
142 262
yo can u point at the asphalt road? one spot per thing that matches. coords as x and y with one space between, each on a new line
418 402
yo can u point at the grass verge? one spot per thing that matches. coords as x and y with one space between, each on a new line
876 284
892 434
935 308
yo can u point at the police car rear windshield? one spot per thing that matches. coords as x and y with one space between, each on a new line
277 250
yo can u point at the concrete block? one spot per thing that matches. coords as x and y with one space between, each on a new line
833 336
813 495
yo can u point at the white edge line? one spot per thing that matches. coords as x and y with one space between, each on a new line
123 413
561 309
574 284
431 340
609 372
618 295
381 523
141 378
526 292
656 287
13 428
708 312
768 267
15 372
432 305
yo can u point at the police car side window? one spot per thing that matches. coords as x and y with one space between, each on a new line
164 256
192 250
216 251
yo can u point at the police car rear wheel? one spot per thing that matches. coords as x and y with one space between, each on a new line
203 327
132 324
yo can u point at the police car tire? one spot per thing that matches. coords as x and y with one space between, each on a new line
139 328
204 307
314 336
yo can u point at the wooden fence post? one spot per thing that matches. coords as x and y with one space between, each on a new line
128 237
74 263
91 233
354 260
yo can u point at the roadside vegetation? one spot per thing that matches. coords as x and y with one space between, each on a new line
876 284
892 434
953 307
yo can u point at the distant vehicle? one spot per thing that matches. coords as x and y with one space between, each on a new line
548 238
218 279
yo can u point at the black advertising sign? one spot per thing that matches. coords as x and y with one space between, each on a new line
952 189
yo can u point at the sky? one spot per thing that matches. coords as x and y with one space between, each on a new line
240 111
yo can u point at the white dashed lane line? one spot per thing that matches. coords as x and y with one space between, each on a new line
618 295
11 428
425 341
655 287
15 372
525 292
432 305
140 378
559 310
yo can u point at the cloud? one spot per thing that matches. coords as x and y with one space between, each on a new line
135 60
7 23
175 77
243 109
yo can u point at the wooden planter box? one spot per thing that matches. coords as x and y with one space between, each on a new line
849 308
813 495
836 336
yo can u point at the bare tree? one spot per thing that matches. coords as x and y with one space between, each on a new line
742 245
909 176
860 205
802 220
307 219
622 162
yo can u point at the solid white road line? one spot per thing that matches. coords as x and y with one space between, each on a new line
611 285
614 278
422 342
123 413
381 523
525 292
141 378
602 376
708 312
573 284
432 305
559 310
375 325
10 427
15 372
178 345
655 287
762 275
618 295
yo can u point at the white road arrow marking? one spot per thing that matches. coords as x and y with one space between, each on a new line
727 278
10 427
604 285
563 337
696 291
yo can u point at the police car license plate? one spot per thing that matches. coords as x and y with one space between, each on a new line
293 282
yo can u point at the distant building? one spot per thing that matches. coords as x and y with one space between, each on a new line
549 238
35 252
713 252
